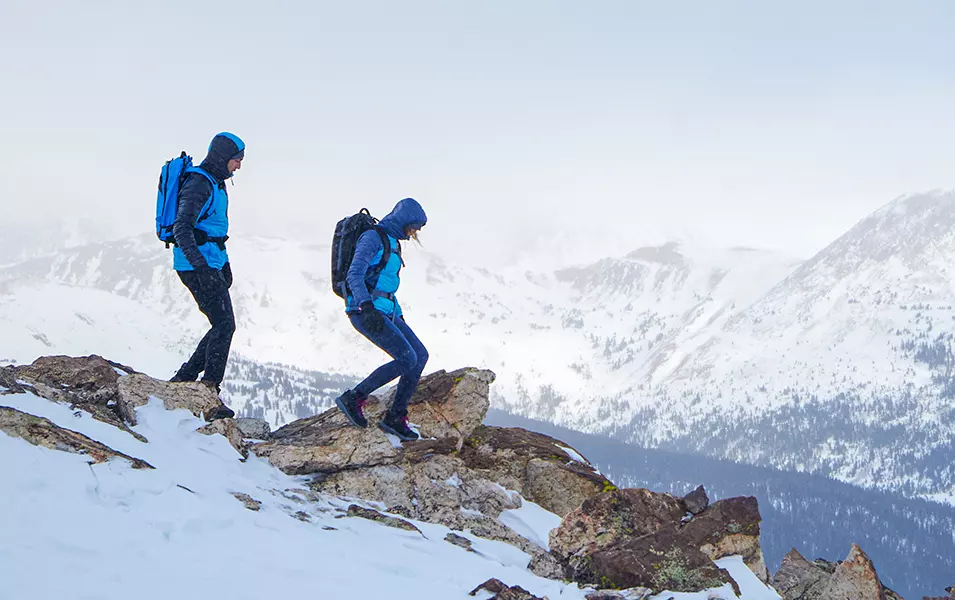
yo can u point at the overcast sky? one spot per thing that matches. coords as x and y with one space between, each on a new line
617 123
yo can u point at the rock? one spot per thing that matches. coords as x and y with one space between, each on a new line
852 579
855 579
8 381
799 578
425 482
543 564
533 464
729 527
87 383
328 443
230 431
249 502
444 406
450 405
42 432
136 390
609 518
373 515
504 592
634 538
457 540
696 501
254 429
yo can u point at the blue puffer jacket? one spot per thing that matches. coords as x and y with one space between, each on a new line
204 206
369 252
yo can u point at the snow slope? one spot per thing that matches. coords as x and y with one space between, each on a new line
78 530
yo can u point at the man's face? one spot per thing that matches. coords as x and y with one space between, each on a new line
234 165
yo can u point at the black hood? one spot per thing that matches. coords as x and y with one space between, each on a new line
223 148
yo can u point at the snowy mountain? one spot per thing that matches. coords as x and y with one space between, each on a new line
839 365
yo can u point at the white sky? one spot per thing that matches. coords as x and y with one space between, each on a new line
614 123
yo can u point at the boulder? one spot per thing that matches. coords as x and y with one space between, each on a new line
444 406
637 538
426 482
450 405
727 528
797 578
43 432
328 443
535 465
254 429
88 383
136 390
696 501
228 429
855 578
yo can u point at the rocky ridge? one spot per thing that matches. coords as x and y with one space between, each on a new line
461 474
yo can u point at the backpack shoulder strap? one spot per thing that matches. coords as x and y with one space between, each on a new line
206 211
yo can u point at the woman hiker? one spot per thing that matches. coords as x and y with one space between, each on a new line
374 312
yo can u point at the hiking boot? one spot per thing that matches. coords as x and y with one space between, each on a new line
351 404
220 412
398 428
179 378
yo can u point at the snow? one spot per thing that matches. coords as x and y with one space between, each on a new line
72 529
574 455
532 522
749 585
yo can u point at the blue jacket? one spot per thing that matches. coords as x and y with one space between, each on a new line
369 252
204 205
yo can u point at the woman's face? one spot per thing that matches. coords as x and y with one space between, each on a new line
412 232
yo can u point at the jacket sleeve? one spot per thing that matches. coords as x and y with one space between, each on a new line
195 191
368 245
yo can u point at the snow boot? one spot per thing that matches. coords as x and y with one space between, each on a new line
398 428
220 412
351 404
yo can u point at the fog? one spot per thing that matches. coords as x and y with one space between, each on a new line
597 126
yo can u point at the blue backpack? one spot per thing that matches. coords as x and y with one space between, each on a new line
167 202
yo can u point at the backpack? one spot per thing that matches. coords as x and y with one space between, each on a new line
344 242
167 201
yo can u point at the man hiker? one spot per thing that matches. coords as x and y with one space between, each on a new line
201 229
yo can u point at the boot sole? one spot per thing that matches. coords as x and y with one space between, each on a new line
387 429
348 415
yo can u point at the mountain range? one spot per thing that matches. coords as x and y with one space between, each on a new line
839 366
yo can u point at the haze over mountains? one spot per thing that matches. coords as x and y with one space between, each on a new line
840 365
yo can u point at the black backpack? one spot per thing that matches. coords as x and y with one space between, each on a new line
347 232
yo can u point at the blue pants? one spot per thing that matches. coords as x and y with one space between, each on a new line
409 358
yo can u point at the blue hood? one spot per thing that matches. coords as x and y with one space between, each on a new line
406 212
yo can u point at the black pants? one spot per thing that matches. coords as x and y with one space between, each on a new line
212 353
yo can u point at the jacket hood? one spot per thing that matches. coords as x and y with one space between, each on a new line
406 212
224 147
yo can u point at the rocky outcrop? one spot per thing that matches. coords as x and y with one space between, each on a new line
136 390
450 405
228 429
535 465
254 429
638 538
855 578
445 406
43 432
88 383
502 591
